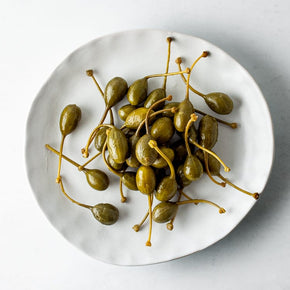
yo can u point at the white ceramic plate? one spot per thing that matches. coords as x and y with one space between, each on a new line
248 150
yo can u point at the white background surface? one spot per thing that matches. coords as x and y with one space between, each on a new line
35 37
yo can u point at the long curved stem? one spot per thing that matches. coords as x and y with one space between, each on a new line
107 164
153 144
111 117
226 168
71 199
192 119
58 178
254 195
223 184
169 225
204 54
94 132
123 198
85 151
178 61
185 195
195 201
233 125
168 98
169 39
137 227
104 115
173 110
187 87
90 73
150 198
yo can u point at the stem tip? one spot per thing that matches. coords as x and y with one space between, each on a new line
169 226
256 195
89 72
136 228
152 143
178 60
205 53
83 150
174 110
148 244
193 117
169 39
